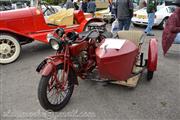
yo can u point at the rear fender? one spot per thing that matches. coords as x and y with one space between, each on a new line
152 55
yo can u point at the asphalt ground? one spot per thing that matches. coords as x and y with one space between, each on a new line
155 100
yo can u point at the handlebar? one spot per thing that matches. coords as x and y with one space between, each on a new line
90 32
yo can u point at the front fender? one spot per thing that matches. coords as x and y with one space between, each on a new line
49 66
152 55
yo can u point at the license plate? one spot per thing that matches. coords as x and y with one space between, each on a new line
141 16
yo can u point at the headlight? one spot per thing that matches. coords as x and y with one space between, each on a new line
54 44
49 36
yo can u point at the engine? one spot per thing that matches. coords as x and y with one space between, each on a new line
81 60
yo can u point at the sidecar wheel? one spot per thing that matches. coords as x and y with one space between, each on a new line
53 101
150 75
9 48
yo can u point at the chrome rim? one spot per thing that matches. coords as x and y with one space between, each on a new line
56 95
7 49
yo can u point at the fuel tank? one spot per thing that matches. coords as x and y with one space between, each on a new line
116 58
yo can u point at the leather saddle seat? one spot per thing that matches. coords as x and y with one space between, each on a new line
93 35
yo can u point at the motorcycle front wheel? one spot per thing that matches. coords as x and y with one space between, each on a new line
50 96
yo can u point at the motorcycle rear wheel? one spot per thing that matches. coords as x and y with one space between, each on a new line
55 105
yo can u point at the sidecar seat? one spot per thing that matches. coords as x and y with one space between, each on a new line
132 35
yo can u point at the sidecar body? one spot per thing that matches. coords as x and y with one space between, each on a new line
119 59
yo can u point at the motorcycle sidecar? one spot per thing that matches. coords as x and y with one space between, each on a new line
115 58
121 59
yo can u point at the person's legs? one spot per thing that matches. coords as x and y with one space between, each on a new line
127 24
177 39
150 23
121 24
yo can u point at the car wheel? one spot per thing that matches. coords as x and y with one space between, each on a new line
163 23
9 48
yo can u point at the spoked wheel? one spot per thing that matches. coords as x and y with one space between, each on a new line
9 48
55 96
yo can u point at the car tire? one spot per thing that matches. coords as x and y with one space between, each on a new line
9 48
163 23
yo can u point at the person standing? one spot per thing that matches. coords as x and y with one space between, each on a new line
142 4
91 7
69 4
151 9
171 32
114 8
76 7
84 6
124 13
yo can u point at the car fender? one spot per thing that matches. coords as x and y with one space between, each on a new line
12 31
152 55
84 23
20 35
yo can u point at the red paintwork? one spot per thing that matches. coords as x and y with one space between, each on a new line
152 55
79 16
30 23
77 48
117 64
47 69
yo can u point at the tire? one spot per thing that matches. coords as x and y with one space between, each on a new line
42 92
150 75
10 49
163 23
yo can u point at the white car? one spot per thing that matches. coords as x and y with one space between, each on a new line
162 14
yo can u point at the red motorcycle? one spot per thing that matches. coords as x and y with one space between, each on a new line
82 54
75 57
